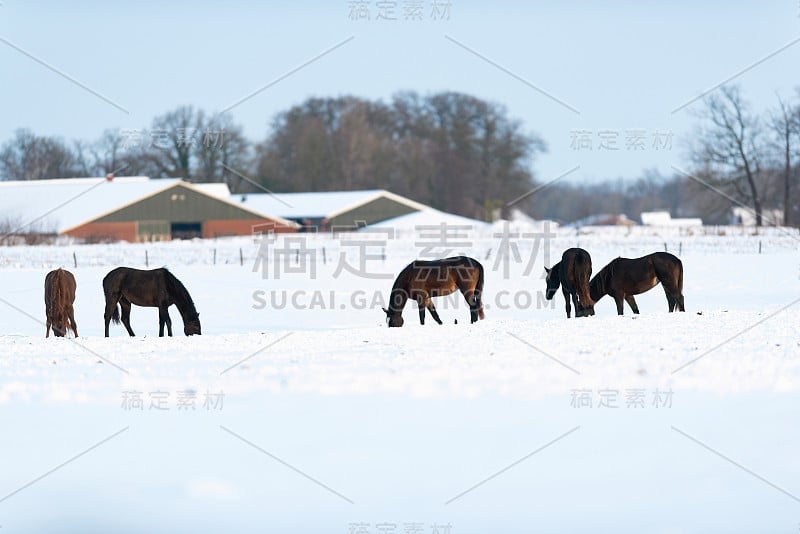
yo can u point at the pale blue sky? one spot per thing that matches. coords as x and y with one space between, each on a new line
623 65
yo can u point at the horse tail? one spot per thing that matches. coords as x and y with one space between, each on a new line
479 292
115 315
680 277
583 271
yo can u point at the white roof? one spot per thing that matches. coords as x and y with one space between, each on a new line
655 217
62 204
431 217
327 204
57 205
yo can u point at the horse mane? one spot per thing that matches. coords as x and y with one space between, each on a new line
599 284
176 289
400 287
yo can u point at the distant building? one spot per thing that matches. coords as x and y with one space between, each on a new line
129 209
604 219
321 211
663 218
747 217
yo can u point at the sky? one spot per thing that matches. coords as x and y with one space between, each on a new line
622 75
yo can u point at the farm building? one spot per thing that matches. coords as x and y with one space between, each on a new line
747 217
321 211
663 218
128 209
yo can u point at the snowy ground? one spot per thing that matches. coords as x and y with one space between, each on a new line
311 416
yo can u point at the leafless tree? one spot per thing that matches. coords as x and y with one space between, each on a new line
729 147
32 157
784 123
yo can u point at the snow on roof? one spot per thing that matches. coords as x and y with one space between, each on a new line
431 217
60 204
663 218
216 189
325 204
655 217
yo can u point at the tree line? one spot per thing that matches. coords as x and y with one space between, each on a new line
449 150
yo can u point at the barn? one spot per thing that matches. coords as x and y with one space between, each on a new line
130 209
321 211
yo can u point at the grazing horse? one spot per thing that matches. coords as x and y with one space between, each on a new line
59 294
156 288
623 278
572 273
422 280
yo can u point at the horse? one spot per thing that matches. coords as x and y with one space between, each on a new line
423 280
624 277
572 273
59 295
156 288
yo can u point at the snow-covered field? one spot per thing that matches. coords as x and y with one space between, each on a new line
297 410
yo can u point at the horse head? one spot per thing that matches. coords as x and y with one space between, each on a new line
393 318
552 282
191 325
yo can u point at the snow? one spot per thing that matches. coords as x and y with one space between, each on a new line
314 205
328 411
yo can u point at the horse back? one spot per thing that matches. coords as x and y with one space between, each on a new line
440 277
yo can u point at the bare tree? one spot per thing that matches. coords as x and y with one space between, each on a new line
729 147
784 122
32 157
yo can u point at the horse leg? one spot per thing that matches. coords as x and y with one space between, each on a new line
566 299
111 308
632 303
619 301
421 306
679 300
671 303
164 319
125 304
434 314
71 316
472 301
578 308
47 333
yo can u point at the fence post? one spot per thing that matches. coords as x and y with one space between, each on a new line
215 256
146 259
759 246
74 260
241 257
324 259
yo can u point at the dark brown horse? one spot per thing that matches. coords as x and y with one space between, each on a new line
572 273
623 278
423 280
157 288
59 295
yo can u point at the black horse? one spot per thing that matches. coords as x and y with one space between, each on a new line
157 288
572 273
624 277
422 280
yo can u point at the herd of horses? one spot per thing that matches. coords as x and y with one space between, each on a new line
420 281
622 278
124 286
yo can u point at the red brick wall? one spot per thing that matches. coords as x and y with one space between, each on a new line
218 228
125 231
